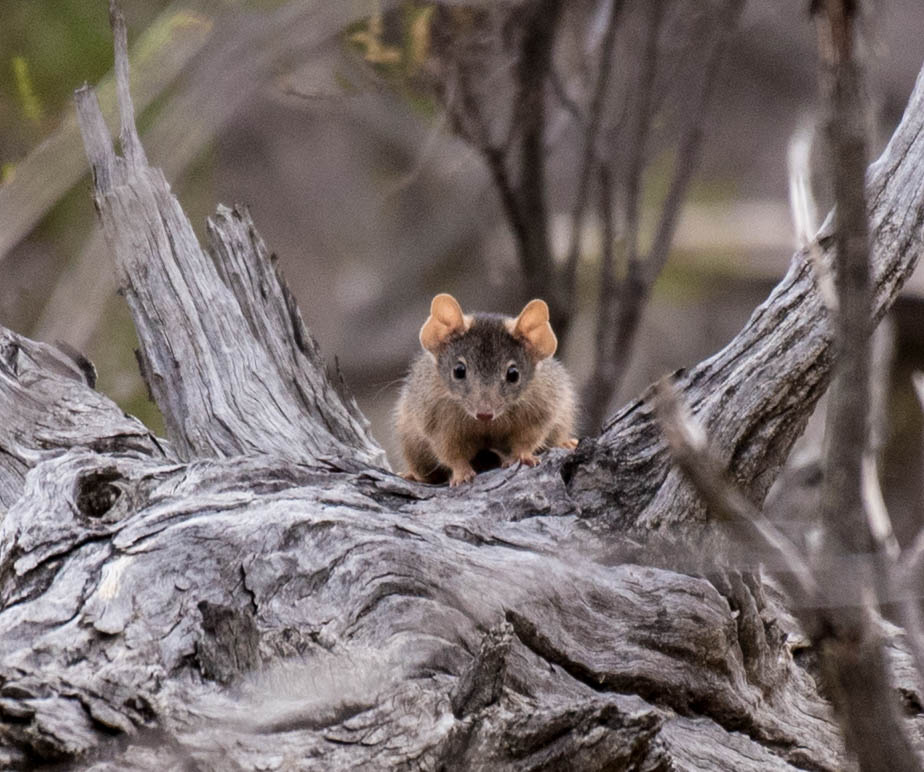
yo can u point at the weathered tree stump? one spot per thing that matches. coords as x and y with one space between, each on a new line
256 591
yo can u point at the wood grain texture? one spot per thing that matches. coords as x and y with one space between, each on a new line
365 606
49 407
230 377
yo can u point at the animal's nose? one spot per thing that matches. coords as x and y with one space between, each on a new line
484 416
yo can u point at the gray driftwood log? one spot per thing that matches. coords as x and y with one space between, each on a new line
256 591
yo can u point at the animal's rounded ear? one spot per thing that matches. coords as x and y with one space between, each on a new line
446 319
533 328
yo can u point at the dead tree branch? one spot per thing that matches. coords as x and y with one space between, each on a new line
690 451
206 415
852 655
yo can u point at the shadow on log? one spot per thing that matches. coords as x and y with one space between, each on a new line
257 591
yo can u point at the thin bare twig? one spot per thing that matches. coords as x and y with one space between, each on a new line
597 387
804 213
882 351
911 569
561 94
638 142
533 65
517 163
689 148
618 304
589 150
468 121
623 307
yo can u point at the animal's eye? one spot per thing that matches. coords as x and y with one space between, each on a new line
458 372
513 375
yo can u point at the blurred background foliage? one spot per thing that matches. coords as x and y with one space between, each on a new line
327 120
42 41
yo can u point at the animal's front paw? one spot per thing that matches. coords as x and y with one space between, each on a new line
524 458
569 444
461 475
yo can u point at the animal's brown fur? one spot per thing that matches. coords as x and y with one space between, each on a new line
435 416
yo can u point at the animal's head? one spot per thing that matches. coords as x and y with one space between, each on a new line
487 360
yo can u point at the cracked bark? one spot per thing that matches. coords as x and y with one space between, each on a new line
254 591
